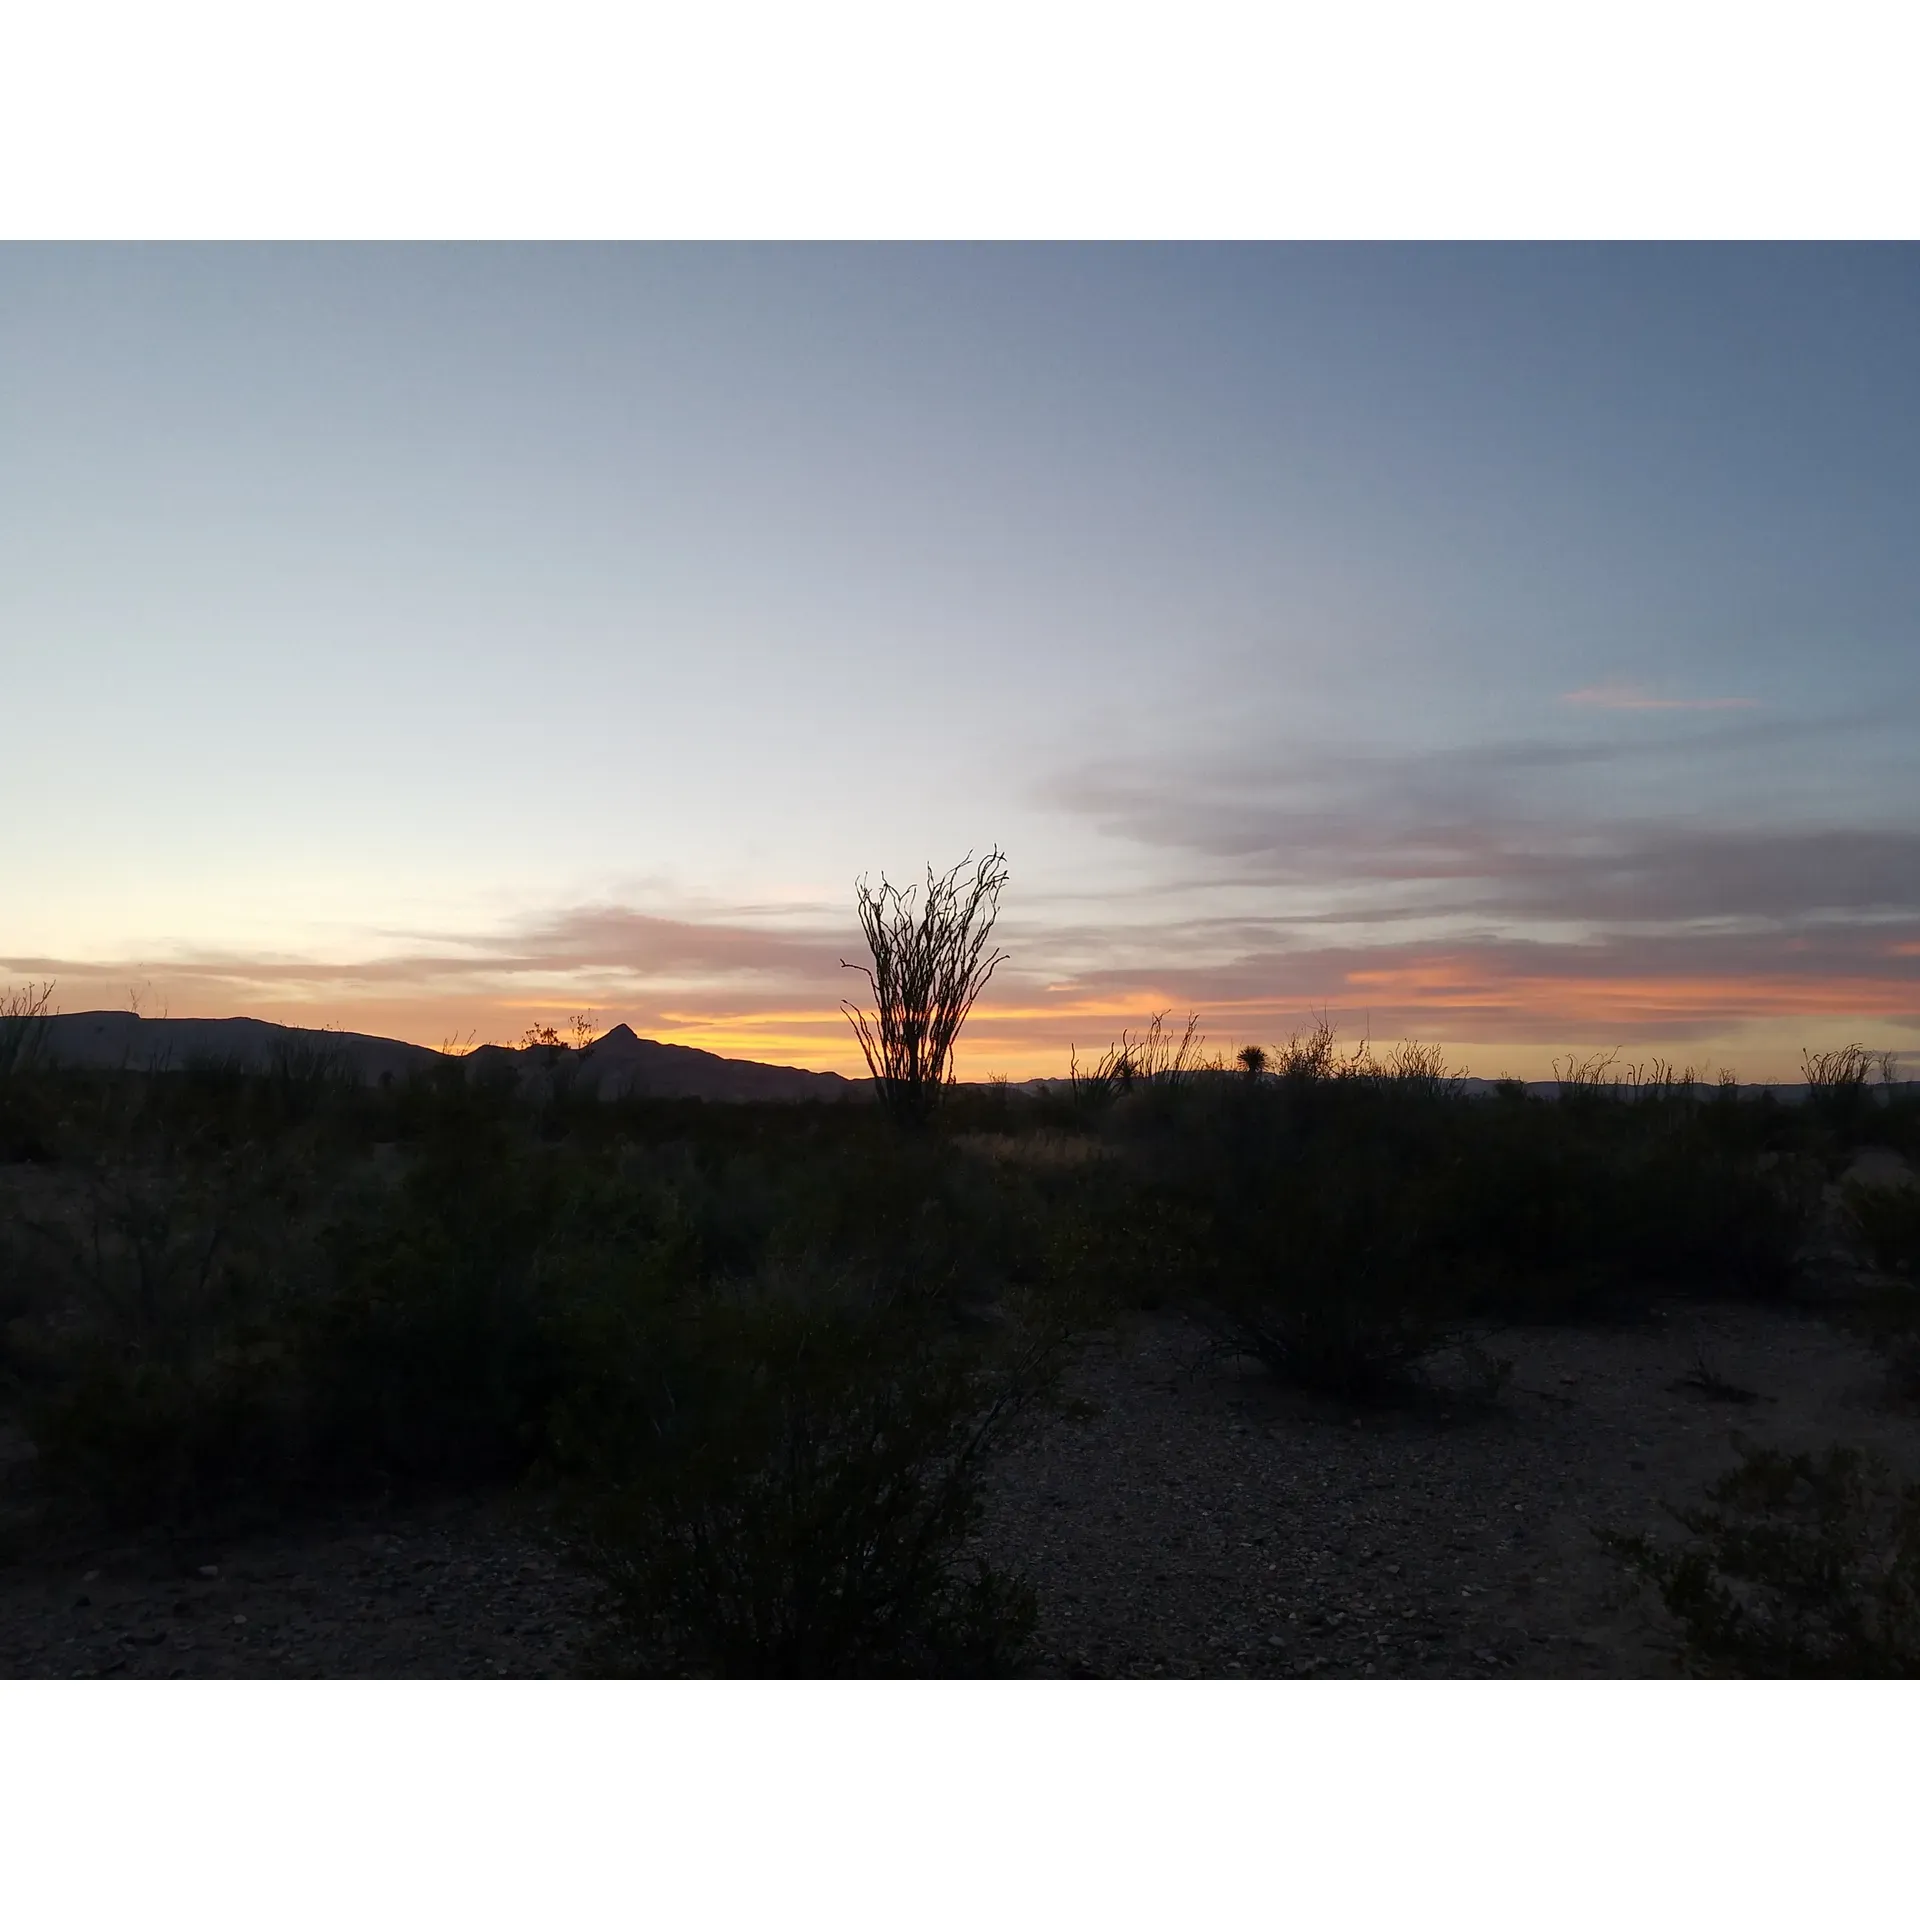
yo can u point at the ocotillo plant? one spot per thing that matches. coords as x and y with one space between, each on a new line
928 970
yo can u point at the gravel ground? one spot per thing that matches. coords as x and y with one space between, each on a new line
1205 1522
460 1590
1194 1519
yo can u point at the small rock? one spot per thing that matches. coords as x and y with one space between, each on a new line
94 1575
239 1619
209 1573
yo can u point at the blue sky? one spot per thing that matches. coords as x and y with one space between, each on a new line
1511 646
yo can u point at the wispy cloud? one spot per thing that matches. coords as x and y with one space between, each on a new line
1479 896
672 977
1509 836
1248 976
1624 697
1536 990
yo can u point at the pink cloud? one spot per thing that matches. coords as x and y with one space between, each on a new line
1618 696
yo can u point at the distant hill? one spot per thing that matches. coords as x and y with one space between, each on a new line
157 1046
618 1063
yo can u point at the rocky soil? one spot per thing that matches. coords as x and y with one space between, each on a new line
1204 1522
1192 1519
460 1590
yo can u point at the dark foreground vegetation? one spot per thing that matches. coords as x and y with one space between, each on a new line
757 1360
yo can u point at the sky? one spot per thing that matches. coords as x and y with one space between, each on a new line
1510 647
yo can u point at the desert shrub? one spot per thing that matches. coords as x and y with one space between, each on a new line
1369 1204
1524 1207
1849 1090
1801 1568
1310 1056
1589 1204
25 1130
1093 1089
1888 1220
779 1485
305 1075
287 1284
1891 1317
28 1124
1116 1243
1334 1283
23 1026
1157 1061
429 1350
1299 1211
1687 1217
142 1438
189 1323
150 1366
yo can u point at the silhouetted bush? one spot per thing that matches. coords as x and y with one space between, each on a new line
428 1354
1888 1219
784 1487
140 1439
224 1285
1801 1568
23 1026
1840 1086
928 969
160 1382
1571 1208
217 1295
1329 1274
1341 1214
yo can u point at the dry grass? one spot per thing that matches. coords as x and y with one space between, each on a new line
1046 1149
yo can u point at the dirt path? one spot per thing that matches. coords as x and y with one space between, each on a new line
1195 1520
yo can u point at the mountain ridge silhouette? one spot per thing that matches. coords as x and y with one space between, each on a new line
620 1062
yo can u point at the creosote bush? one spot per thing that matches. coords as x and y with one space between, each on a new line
785 1486
1321 1258
1802 1567
157 1382
23 1026
1342 1213
1888 1220
214 1297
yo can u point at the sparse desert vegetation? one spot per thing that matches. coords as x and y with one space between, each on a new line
792 1388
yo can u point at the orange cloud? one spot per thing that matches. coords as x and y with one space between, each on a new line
1581 999
758 991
